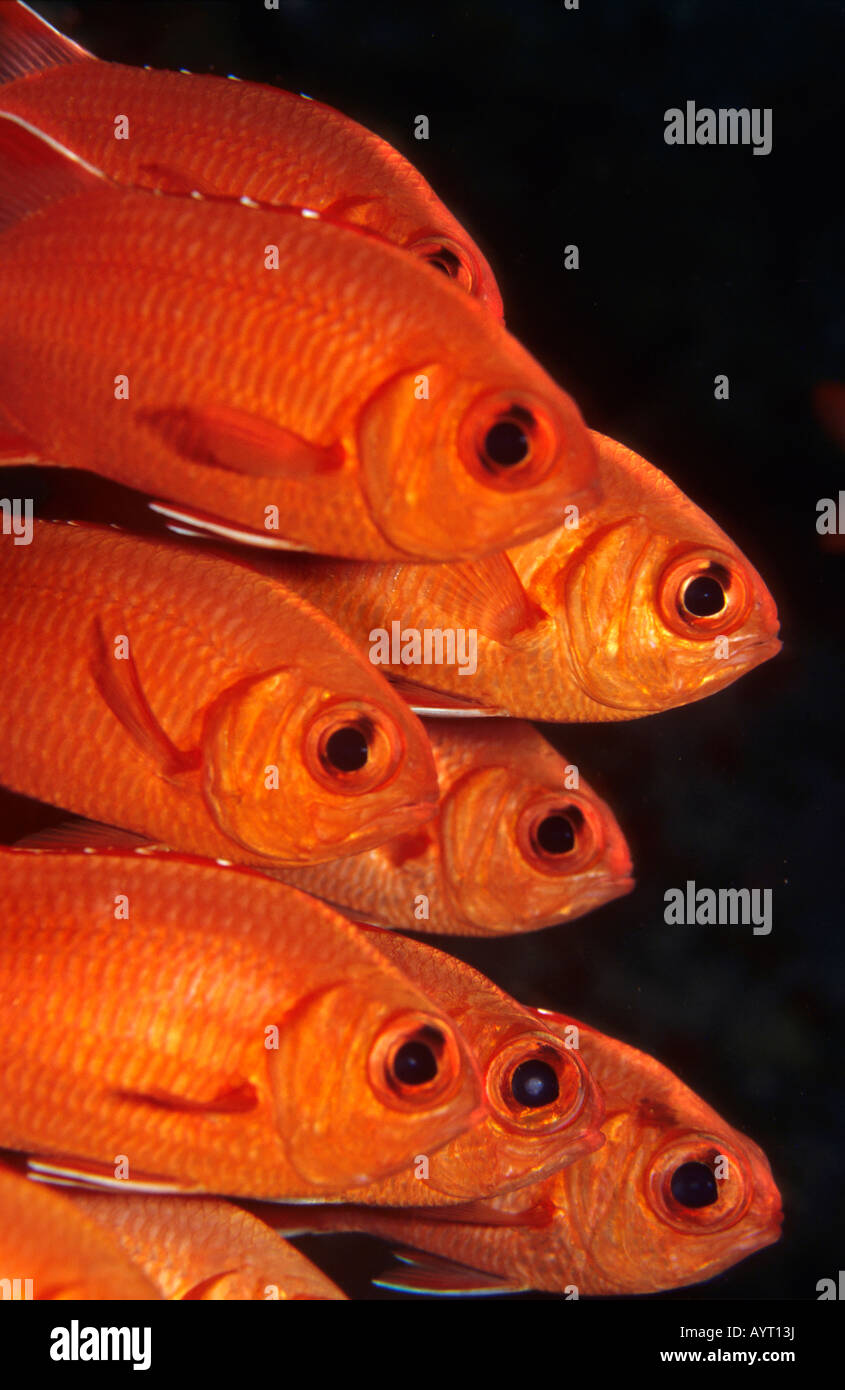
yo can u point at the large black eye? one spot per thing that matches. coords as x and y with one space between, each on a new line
693 1185
703 597
505 444
555 834
535 1083
347 749
414 1064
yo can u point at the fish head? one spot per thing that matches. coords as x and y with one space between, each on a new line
297 773
667 1205
657 609
454 467
674 1196
459 260
367 1075
520 852
545 1110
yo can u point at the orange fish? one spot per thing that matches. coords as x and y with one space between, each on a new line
189 132
204 1249
544 1108
672 1198
50 1250
193 702
277 378
643 606
520 842
175 1025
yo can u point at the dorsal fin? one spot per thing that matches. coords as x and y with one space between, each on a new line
28 44
35 170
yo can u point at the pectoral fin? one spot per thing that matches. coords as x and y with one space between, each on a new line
488 595
234 1098
224 437
117 680
83 835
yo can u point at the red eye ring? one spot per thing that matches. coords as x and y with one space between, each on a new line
541 834
385 1064
707 573
733 1184
329 747
507 440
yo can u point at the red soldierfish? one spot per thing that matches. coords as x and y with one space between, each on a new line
186 132
50 1250
673 1197
544 1107
180 1026
191 701
644 606
520 841
204 1249
273 376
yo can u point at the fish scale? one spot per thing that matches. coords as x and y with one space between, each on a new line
250 140
607 1223
205 692
571 626
152 1028
99 282
475 865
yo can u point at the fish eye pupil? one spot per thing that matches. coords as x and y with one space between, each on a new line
556 834
347 749
505 444
414 1064
535 1083
704 596
693 1185
445 261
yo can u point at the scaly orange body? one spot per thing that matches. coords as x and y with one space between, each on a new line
520 841
204 1249
166 1021
582 624
190 132
609 1223
544 1107
191 701
282 378
67 1255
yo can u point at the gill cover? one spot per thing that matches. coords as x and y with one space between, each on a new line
272 787
496 870
440 483
342 1112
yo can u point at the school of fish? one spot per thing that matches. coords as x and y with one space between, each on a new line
272 748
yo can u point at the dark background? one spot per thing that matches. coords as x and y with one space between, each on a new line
547 129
